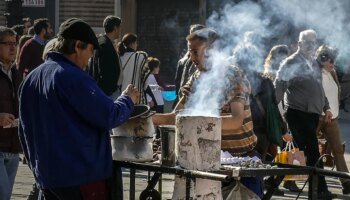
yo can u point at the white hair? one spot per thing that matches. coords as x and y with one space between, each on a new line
307 33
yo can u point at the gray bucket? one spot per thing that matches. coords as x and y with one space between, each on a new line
167 135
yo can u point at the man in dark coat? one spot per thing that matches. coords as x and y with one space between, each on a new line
105 65
10 80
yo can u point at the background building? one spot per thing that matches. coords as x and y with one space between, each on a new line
161 25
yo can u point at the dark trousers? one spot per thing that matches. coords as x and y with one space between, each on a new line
99 190
65 193
303 127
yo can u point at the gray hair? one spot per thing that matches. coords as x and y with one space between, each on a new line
50 46
307 33
5 31
67 46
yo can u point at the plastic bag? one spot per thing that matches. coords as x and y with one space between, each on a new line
241 192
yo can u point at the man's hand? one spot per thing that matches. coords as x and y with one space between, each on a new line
287 137
6 119
132 92
185 90
328 117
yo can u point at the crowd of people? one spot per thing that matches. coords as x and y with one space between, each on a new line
61 96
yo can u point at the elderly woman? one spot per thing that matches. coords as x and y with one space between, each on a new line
330 128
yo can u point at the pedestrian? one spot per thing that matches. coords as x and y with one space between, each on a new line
185 68
10 80
299 82
272 63
27 23
105 66
133 63
32 51
153 91
326 57
259 100
65 119
19 30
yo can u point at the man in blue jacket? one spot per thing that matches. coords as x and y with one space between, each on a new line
65 119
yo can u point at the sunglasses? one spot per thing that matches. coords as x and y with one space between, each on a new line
325 58
309 42
10 43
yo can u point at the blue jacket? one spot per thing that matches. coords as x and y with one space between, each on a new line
64 124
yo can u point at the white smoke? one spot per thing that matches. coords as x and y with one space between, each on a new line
249 29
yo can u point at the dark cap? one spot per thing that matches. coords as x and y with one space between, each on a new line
77 29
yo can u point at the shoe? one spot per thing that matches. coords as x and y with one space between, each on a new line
346 187
327 195
278 192
24 160
291 186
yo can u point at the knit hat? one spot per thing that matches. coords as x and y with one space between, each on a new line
77 29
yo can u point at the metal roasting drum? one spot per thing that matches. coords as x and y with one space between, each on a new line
198 147
132 141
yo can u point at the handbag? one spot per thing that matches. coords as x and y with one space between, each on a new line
292 155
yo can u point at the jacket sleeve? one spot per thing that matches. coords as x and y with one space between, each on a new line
326 104
91 104
281 83
24 60
178 75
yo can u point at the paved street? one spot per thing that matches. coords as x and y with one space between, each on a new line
24 178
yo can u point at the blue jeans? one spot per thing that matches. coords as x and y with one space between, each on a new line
8 170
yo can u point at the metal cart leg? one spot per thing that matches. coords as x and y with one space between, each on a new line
160 188
313 185
277 181
132 184
188 187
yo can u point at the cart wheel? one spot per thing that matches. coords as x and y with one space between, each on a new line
150 194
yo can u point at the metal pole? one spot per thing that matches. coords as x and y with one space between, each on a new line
313 185
188 187
132 184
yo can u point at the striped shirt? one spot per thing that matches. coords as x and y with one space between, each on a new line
242 140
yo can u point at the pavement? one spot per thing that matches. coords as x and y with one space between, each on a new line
24 178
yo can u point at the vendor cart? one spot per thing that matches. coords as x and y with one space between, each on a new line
229 174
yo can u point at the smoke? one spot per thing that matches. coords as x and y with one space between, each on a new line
248 31
209 93
327 18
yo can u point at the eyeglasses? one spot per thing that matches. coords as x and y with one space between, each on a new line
14 44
